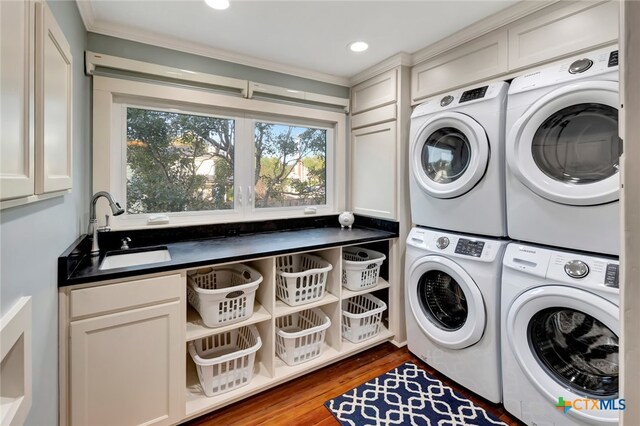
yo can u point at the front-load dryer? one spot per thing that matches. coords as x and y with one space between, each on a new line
560 337
456 161
452 296
563 154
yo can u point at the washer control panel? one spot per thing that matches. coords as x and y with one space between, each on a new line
473 94
611 275
455 245
576 269
559 267
469 247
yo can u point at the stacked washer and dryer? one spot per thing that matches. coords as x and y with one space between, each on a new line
529 321
560 314
454 255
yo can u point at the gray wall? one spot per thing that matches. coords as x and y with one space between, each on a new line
33 236
107 45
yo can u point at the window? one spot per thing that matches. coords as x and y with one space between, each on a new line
178 162
192 156
290 165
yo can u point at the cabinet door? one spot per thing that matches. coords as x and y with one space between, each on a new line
127 368
477 60
16 86
374 171
53 104
375 92
560 30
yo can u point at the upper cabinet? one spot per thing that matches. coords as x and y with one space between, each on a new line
378 91
36 119
16 87
561 29
480 59
53 107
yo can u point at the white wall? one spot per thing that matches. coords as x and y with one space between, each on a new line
33 236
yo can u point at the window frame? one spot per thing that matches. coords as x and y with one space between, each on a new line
111 98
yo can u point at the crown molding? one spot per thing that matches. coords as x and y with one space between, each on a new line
480 28
120 31
86 13
394 61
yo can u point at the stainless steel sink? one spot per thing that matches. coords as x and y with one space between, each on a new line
135 258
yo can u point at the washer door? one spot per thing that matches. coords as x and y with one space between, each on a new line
566 343
449 155
446 302
566 148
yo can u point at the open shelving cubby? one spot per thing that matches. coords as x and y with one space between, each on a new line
269 369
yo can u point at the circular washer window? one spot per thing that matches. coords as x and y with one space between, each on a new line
445 155
578 350
442 300
579 144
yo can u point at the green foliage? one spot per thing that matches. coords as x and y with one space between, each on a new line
165 151
290 165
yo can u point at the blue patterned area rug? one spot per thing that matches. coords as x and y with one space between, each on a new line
407 395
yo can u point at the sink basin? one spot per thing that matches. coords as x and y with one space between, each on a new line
122 259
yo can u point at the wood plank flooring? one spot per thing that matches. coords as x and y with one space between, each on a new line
300 401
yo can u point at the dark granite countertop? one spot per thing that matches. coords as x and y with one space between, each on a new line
76 266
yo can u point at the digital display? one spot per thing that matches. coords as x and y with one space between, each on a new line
469 247
613 59
473 94
611 275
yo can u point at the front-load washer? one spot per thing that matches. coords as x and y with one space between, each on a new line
563 154
560 336
452 296
456 161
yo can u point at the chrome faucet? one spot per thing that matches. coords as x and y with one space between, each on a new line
93 222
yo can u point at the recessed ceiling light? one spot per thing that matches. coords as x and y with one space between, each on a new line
358 46
217 4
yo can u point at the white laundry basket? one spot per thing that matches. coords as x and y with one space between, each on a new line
362 317
225 361
301 278
360 267
223 295
300 335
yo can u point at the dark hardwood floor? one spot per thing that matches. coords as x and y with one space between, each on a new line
300 401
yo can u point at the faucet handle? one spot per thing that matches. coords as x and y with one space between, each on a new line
125 243
106 227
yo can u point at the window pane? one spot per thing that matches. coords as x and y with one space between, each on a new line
178 162
290 166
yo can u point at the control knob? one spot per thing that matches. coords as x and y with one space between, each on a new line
446 100
576 269
442 243
581 65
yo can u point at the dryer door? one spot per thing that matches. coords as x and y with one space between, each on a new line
446 302
566 343
566 148
449 155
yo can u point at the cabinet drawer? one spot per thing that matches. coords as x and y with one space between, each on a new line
374 116
375 92
560 31
481 59
126 295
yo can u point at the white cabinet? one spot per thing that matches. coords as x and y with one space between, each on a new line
560 31
375 92
373 172
53 105
556 31
480 59
36 119
126 358
16 87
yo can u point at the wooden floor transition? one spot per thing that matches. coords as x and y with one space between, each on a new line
300 401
